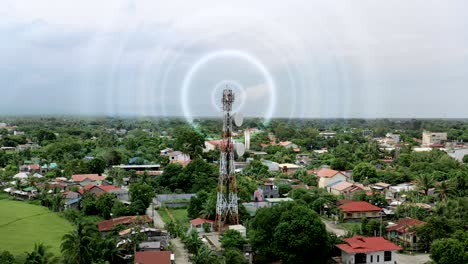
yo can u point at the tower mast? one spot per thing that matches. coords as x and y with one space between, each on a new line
226 203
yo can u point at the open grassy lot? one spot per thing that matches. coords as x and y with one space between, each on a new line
23 224
178 214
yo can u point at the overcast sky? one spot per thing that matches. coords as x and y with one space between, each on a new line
320 59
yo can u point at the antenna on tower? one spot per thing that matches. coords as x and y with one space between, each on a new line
227 210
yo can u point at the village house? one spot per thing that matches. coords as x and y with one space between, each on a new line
267 190
289 168
343 188
290 145
328 176
355 210
403 233
362 250
85 179
212 145
120 194
200 223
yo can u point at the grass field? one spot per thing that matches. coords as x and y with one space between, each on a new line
179 215
23 224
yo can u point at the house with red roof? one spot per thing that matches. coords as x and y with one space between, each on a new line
212 145
355 210
98 190
362 250
289 145
154 257
198 224
403 232
327 176
84 179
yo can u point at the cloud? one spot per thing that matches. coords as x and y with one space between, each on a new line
327 58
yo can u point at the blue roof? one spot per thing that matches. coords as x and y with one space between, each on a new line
73 201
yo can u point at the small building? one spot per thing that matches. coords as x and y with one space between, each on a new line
154 257
212 145
380 187
328 134
88 178
268 190
272 166
288 145
108 225
362 250
433 138
328 176
403 233
275 201
355 210
343 188
289 167
240 228
198 224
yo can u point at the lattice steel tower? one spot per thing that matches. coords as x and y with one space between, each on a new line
226 203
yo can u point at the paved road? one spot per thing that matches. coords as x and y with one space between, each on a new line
331 227
158 222
181 255
399 258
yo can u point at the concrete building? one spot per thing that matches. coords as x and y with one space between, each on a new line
433 138
328 176
362 250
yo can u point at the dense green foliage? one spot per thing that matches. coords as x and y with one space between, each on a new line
290 232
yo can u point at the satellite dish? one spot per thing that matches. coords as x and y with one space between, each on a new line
240 149
238 119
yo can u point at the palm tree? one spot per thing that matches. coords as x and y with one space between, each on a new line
77 246
445 189
193 242
208 209
57 202
424 182
40 255
205 255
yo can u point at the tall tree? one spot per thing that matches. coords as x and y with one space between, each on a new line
424 182
40 255
364 171
141 192
189 141
77 246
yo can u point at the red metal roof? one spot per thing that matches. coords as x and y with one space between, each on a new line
153 257
108 225
34 167
403 225
358 206
200 221
107 188
360 244
326 173
104 188
92 177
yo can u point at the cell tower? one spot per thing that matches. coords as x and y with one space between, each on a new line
226 203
